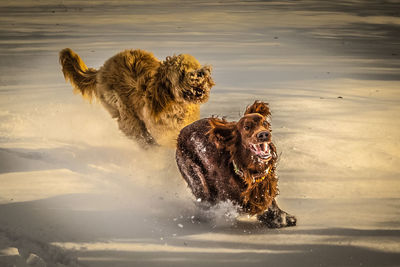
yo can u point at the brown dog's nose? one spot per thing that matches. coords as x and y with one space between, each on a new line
263 136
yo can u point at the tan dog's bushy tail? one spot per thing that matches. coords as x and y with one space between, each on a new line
81 77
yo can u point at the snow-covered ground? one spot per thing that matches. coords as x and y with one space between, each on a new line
75 192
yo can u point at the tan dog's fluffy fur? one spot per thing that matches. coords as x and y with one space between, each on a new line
151 99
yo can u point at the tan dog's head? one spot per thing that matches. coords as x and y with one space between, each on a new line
186 78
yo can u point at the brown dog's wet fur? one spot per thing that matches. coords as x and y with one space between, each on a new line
152 100
235 161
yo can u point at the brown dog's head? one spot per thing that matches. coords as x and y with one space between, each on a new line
186 78
250 136
255 132
252 155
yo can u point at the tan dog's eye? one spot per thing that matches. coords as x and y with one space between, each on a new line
246 127
265 123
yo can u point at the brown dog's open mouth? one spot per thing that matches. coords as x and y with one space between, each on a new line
262 150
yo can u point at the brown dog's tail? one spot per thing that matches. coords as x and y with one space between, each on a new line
81 77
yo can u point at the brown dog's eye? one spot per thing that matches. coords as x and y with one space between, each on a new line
246 128
265 123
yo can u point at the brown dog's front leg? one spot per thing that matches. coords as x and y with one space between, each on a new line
193 173
274 217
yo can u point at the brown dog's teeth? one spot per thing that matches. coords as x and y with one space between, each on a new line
266 149
254 147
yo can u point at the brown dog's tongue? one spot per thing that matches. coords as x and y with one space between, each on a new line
262 148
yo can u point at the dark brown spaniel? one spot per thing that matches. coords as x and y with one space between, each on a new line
235 161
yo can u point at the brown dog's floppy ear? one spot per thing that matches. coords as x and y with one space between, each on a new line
222 133
259 107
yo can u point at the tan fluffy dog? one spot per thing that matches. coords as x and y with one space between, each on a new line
152 100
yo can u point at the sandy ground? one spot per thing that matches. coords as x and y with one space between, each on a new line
75 192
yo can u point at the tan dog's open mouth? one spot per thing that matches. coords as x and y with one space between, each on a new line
199 92
262 150
200 84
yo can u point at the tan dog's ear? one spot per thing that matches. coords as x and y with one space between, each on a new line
222 133
165 89
260 108
188 62
170 72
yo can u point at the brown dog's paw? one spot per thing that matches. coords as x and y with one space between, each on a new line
277 219
291 220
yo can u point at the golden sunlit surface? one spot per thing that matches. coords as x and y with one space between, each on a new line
74 191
